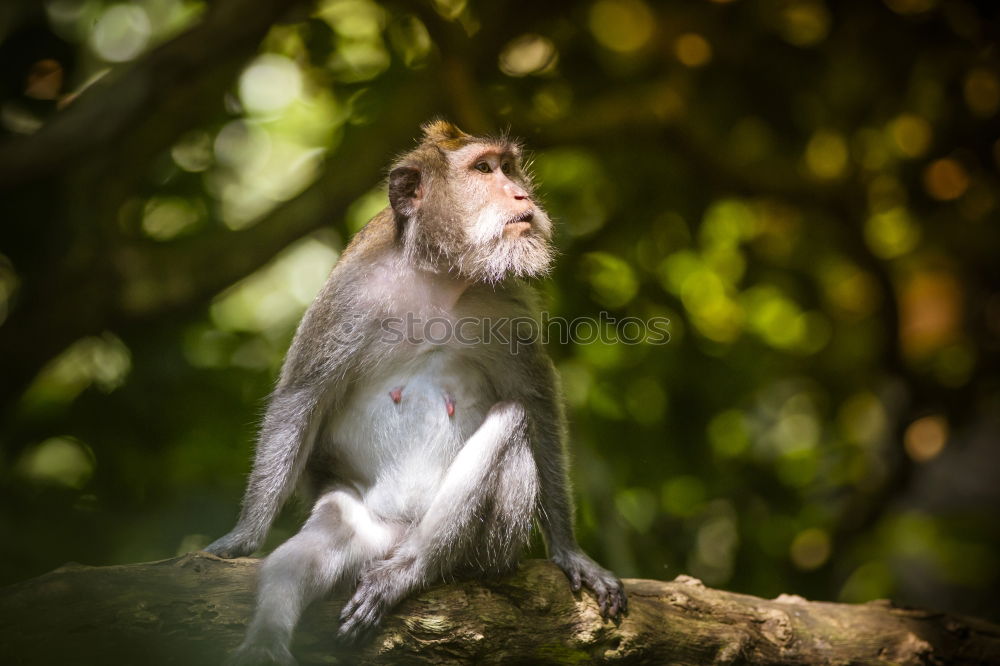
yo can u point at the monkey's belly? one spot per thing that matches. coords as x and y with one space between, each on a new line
399 431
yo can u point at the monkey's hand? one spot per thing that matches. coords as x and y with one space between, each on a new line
581 570
380 587
234 544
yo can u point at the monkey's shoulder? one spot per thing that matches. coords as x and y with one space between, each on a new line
378 234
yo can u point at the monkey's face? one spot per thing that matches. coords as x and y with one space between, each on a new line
499 229
465 205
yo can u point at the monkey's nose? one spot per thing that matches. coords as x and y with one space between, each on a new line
515 190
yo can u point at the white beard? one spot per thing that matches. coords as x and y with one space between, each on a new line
491 254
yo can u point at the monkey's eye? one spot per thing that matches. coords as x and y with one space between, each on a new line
483 167
506 168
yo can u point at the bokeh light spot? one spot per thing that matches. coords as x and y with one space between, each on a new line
613 280
693 50
728 433
926 437
946 179
638 507
193 152
528 54
553 101
59 460
717 316
167 217
930 312
872 580
715 547
624 26
911 135
853 293
826 154
892 233
450 9
275 297
100 361
683 495
646 400
410 38
776 319
269 84
810 549
804 22
121 33
727 222
242 145
366 207
863 419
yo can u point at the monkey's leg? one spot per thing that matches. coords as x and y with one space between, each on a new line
480 516
337 539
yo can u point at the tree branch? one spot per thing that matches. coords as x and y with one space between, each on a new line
193 609
138 280
161 86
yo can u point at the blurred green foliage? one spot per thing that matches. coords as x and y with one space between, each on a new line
808 190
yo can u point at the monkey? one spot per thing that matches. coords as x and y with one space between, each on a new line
430 457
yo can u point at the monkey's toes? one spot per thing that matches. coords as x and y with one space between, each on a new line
358 618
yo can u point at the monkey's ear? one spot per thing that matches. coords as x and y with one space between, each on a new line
404 190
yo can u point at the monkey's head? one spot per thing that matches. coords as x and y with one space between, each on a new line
465 205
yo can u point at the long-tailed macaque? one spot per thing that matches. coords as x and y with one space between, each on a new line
423 456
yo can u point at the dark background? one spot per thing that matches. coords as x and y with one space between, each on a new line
808 190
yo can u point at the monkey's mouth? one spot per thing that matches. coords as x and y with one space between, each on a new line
520 223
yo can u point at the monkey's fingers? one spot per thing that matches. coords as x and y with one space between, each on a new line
574 581
601 591
617 604
618 601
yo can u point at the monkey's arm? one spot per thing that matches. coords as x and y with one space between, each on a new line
285 440
555 515
313 371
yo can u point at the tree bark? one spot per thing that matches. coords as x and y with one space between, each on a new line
193 610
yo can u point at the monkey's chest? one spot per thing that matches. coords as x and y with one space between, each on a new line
401 427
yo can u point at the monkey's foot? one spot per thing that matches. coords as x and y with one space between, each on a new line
363 612
230 546
380 587
581 570
261 655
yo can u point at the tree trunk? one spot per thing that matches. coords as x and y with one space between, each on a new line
193 609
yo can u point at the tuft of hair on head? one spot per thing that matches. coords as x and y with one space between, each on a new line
445 134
